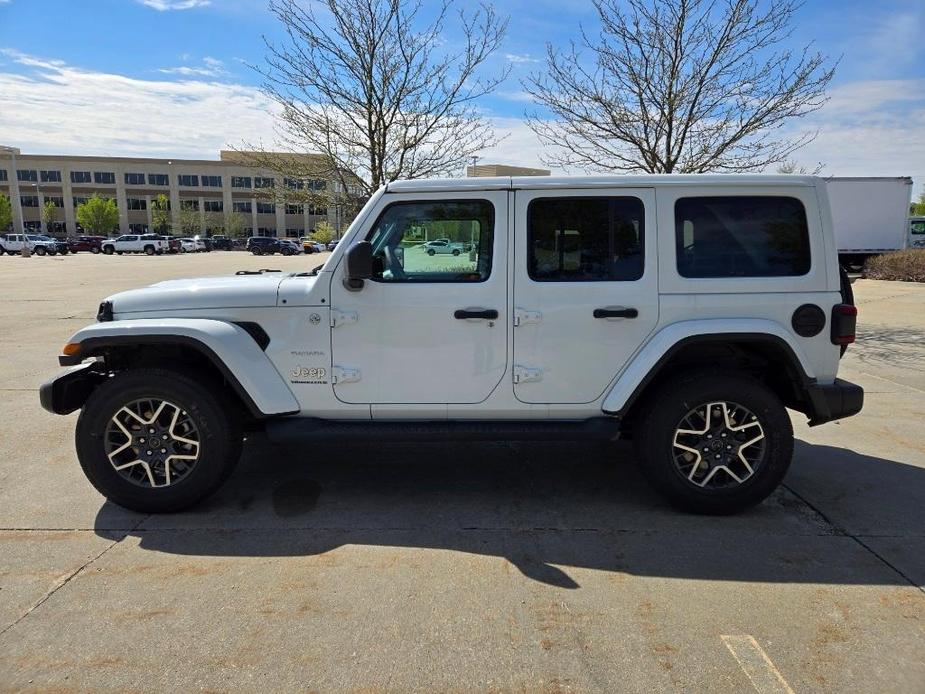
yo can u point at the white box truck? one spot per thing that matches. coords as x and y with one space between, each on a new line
870 216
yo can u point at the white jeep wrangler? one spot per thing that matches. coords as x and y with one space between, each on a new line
684 312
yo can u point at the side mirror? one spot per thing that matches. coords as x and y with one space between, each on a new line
359 266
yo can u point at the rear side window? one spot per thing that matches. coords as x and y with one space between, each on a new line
585 239
747 236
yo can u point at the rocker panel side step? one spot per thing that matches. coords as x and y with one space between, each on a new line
307 429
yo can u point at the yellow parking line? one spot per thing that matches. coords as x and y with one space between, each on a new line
756 664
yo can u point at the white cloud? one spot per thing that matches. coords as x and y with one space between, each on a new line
211 67
520 58
56 108
166 5
871 128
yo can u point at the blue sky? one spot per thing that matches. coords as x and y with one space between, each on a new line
170 77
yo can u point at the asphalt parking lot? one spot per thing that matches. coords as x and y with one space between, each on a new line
492 567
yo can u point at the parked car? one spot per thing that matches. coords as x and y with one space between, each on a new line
191 245
91 244
222 243
61 245
444 246
309 245
149 244
678 324
265 245
173 243
206 242
39 244
332 244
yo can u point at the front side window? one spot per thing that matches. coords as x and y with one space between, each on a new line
585 239
402 248
741 236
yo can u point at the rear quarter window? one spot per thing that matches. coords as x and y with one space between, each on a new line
741 236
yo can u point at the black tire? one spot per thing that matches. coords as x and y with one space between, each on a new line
149 250
431 251
663 414
218 431
40 250
455 251
109 250
94 250
257 250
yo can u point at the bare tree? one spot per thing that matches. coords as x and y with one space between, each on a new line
683 86
371 85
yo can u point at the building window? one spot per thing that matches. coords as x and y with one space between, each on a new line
266 208
189 205
585 239
294 183
317 210
213 205
189 180
136 203
294 208
50 176
27 175
138 228
55 200
78 201
264 182
80 176
240 181
266 231
158 180
241 206
212 181
3 175
741 236
104 177
134 179
317 184
29 200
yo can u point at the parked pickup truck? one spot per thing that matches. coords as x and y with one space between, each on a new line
653 308
39 244
149 244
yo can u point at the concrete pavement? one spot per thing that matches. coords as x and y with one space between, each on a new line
497 567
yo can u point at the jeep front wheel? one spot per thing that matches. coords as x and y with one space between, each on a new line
715 444
156 441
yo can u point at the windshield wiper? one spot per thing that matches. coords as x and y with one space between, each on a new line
255 272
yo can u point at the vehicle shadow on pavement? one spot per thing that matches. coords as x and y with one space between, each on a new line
542 507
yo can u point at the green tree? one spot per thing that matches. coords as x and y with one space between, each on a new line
323 232
917 209
188 222
235 224
98 215
160 214
49 215
6 212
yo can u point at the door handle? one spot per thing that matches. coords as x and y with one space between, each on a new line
615 312
484 313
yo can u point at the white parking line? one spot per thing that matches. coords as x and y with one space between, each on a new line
756 664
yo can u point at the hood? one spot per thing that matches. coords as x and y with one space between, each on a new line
236 291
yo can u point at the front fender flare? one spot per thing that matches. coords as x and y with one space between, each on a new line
229 347
647 361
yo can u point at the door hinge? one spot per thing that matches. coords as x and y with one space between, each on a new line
522 316
339 318
523 374
343 374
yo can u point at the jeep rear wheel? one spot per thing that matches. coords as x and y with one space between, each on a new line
156 441
715 444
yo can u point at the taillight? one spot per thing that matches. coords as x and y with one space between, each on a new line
844 323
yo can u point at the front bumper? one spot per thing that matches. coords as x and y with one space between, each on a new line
70 390
837 400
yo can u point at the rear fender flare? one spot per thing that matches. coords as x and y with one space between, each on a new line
647 362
